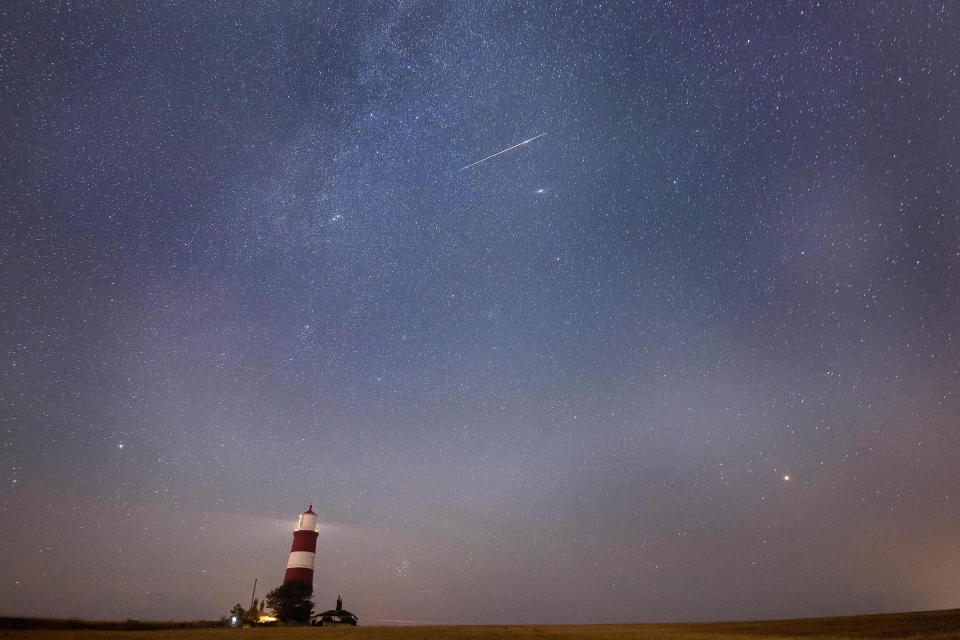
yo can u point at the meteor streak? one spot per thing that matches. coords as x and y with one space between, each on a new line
504 151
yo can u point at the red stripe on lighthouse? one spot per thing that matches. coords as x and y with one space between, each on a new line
301 575
305 541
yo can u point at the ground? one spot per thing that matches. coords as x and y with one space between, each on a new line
932 625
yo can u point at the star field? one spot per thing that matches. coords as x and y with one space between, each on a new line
690 355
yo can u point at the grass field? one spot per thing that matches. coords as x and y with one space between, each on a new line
933 625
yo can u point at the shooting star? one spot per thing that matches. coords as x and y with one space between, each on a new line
503 151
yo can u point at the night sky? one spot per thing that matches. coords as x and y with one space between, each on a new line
693 353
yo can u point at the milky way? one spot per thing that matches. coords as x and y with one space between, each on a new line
693 355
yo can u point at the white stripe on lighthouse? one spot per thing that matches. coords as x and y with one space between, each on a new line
301 560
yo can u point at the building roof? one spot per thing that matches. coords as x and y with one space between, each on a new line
336 615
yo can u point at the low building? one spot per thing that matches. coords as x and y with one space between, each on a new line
335 616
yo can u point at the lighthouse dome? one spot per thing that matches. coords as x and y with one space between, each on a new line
308 520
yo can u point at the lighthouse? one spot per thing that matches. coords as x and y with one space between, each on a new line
304 549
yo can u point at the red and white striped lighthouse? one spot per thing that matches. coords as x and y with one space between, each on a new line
304 549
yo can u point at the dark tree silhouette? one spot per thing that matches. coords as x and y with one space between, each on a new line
238 613
253 614
291 602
